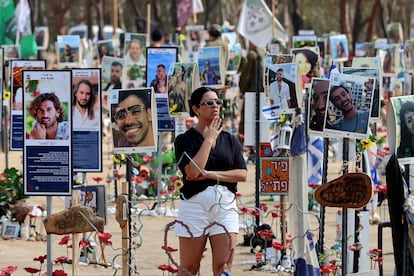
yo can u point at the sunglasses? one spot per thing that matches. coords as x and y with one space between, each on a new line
211 102
135 110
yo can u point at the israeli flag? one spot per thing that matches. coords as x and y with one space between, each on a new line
271 113
315 160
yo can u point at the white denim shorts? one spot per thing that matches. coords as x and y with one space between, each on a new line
210 212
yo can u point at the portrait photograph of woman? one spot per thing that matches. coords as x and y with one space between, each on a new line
400 128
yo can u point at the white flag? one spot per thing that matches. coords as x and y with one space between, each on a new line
255 24
198 6
23 17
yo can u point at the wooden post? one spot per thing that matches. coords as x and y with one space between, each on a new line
75 237
273 20
125 234
148 18
114 16
283 222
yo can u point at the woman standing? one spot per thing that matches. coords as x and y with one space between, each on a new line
212 163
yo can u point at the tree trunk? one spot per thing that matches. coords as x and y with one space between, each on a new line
370 29
344 21
297 19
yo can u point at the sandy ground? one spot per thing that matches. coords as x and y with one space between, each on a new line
151 237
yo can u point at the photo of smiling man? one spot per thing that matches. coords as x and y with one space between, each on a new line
134 120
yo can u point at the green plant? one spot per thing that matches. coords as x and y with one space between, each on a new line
11 189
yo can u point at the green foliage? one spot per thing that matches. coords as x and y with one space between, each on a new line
11 189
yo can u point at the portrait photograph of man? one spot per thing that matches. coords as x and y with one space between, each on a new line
349 105
134 120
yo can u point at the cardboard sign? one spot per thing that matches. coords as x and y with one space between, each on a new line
274 177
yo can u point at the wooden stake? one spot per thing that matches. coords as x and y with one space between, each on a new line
148 18
273 21
283 225
114 16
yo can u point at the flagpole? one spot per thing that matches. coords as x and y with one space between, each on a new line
273 21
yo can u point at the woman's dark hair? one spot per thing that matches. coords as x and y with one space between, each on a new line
406 148
196 97
310 55
182 71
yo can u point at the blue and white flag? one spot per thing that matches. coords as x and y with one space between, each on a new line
315 159
331 70
270 113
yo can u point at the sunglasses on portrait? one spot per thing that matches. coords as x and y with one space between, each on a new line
211 102
134 110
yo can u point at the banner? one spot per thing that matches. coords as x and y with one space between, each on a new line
7 35
255 24
15 25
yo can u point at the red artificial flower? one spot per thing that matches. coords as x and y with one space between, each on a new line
59 272
31 215
41 259
104 238
326 269
277 245
144 174
169 248
266 234
138 179
263 207
355 247
275 214
255 213
84 244
97 179
333 267
238 194
61 260
169 268
148 158
379 260
64 240
243 209
8 270
170 188
32 270
382 188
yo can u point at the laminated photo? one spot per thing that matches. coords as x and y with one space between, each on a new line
349 106
400 128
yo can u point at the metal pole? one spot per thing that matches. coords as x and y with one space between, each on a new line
257 195
160 134
4 132
345 155
49 239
